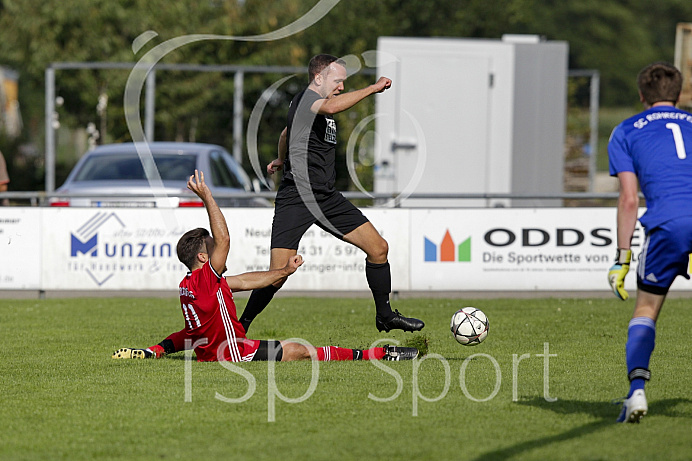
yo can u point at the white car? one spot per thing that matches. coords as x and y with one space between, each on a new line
114 175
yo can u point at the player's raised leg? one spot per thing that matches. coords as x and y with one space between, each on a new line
378 274
260 298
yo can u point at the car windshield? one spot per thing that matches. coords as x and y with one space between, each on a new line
223 172
128 166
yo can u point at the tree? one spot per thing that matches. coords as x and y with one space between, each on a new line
617 37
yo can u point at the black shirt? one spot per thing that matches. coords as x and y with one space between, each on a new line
311 145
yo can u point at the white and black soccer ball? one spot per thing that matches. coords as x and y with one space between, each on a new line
469 326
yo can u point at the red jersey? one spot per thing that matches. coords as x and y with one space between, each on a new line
209 311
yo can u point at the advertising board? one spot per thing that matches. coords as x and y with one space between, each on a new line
515 249
499 249
20 248
135 249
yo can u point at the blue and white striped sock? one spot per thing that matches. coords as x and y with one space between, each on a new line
641 339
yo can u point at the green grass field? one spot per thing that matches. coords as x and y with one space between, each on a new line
63 397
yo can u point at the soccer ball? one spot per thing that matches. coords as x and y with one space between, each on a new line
469 326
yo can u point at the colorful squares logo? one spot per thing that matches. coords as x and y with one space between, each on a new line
447 250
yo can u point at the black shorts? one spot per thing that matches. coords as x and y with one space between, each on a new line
269 350
292 216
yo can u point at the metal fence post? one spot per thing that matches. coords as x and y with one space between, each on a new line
149 106
49 131
593 122
238 116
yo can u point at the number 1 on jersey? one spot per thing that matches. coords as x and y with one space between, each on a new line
677 136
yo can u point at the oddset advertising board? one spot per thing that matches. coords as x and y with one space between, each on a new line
541 249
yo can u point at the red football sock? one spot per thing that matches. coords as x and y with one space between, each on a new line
376 353
329 353
157 350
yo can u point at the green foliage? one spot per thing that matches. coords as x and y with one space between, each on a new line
65 398
617 38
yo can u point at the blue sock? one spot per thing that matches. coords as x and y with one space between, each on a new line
641 339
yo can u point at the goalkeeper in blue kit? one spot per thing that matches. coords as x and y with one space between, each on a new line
652 150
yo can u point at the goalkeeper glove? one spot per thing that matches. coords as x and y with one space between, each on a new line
617 273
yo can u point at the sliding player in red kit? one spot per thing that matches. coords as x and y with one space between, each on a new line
206 299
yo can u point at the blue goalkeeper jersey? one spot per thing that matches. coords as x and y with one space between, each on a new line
656 145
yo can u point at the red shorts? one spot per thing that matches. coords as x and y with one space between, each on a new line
245 350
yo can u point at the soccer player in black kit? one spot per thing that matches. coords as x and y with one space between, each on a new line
307 195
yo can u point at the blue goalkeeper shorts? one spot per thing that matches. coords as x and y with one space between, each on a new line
665 255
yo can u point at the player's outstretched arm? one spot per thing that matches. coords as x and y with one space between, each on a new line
261 279
217 222
345 101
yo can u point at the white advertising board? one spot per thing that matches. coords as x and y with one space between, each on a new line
330 264
114 249
517 249
134 249
20 248
522 249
